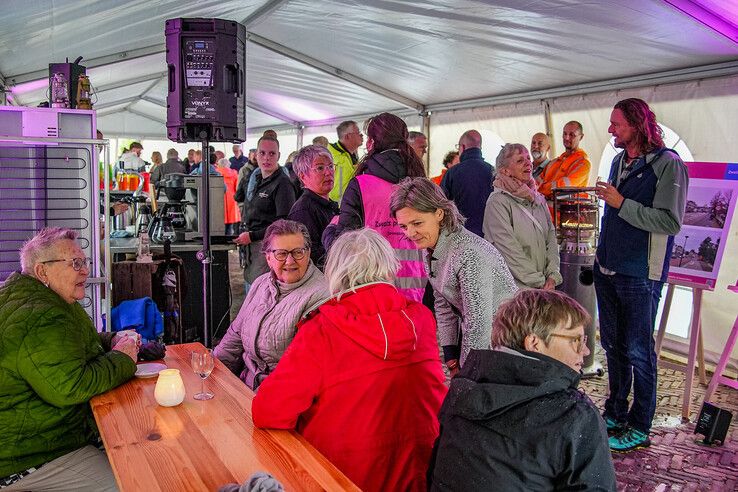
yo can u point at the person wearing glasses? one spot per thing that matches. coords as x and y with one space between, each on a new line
314 166
514 416
344 155
52 362
276 302
362 381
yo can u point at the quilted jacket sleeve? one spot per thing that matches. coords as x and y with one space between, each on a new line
62 360
291 388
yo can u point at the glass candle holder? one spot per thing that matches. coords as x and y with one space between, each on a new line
169 390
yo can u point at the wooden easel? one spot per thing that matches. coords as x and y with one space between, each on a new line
696 351
718 376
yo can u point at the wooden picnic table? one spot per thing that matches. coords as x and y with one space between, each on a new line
201 445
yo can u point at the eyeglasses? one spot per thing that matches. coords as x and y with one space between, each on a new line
77 263
457 147
355 133
281 254
579 340
320 169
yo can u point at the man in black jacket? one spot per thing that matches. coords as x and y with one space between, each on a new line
469 183
313 164
271 200
513 418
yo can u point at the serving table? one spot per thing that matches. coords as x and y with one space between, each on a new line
201 445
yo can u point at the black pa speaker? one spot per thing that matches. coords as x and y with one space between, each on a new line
713 423
206 60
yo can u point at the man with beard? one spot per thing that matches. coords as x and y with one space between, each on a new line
540 144
570 168
645 197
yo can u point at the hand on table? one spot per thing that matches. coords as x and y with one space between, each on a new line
244 239
123 334
610 194
128 346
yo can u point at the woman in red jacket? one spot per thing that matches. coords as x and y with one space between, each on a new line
362 380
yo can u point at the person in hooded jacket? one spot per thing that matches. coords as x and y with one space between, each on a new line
514 418
365 201
361 380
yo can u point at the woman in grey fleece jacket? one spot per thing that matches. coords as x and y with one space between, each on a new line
276 302
469 276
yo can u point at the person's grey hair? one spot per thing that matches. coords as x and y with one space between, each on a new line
321 140
577 124
345 127
284 227
425 196
507 150
172 154
357 258
535 312
40 246
412 136
305 156
224 162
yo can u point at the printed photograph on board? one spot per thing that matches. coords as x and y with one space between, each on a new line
695 249
707 206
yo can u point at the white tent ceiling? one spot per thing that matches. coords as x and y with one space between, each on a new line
310 61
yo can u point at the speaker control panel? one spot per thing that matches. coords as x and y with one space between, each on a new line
199 62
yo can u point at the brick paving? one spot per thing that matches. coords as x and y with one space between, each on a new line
674 462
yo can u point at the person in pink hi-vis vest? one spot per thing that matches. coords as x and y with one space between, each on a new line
365 201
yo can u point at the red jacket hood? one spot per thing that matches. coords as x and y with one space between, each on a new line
377 318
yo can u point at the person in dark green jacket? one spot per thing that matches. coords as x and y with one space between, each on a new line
52 361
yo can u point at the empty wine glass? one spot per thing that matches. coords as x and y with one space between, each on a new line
203 363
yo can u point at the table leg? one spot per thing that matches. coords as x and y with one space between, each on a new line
693 337
722 362
664 319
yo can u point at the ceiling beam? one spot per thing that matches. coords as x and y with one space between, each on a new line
706 17
92 62
657 78
334 71
161 104
147 116
118 102
137 80
262 12
273 114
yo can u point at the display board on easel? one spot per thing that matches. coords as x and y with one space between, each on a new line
697 253
699 245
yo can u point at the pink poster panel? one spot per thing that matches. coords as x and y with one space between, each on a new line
699 245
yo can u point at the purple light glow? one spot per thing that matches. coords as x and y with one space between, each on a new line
31 86
290 107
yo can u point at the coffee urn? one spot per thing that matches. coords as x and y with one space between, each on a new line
577 218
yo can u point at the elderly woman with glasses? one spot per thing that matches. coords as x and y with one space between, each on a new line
362 380
267 321
52 361
469 276
314 166
518 223
514 416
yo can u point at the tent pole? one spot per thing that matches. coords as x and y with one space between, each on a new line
549 127
426 131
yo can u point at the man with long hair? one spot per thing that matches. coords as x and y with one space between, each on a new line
645 196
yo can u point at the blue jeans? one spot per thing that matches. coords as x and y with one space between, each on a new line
627 308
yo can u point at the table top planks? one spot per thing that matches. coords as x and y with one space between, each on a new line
201 445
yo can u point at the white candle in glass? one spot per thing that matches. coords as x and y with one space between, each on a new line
169 390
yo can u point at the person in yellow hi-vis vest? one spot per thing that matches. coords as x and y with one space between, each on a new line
570 168
344 156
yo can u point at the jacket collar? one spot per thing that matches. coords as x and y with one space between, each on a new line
473 153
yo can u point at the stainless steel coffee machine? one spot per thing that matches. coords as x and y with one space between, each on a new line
184 189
